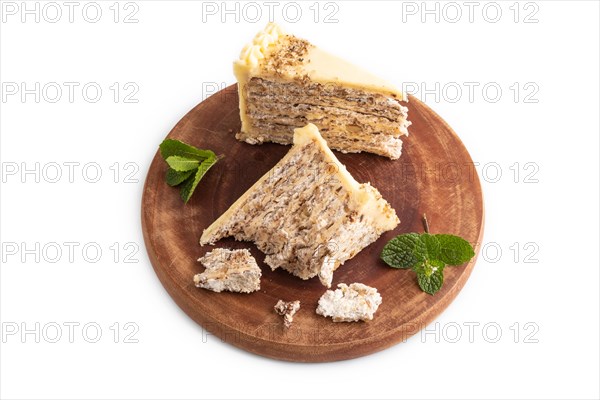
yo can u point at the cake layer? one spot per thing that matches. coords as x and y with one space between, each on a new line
330 95
324 117
308 215
384 145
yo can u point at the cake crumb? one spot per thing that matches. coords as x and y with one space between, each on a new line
229 270
287 309
356 302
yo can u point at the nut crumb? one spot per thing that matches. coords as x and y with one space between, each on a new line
356 302
229 270
287 309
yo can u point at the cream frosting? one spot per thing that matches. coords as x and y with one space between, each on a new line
255 51
320 66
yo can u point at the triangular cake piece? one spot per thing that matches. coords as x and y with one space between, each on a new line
307 214
285 82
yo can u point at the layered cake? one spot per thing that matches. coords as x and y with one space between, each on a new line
285 82
307 214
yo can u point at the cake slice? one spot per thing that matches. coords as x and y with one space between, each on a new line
229 270
356 302
307 214
285 82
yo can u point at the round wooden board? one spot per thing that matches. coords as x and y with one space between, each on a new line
434 175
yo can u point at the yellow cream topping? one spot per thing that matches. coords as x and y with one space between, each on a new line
253 52
321 66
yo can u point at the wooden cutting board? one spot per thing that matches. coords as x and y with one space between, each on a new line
434 175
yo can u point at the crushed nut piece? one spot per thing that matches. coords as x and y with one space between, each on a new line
287 309
230 270
356 302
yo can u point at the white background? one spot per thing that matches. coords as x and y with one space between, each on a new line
173 57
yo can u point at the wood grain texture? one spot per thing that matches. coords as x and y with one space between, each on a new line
434 175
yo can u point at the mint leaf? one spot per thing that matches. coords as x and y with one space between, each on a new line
427 255
172 147
454 250
190 184
182 164
187 165
174 178
404 251
430 276
432 246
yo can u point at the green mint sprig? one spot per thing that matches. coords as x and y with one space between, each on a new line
427 255
187 165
